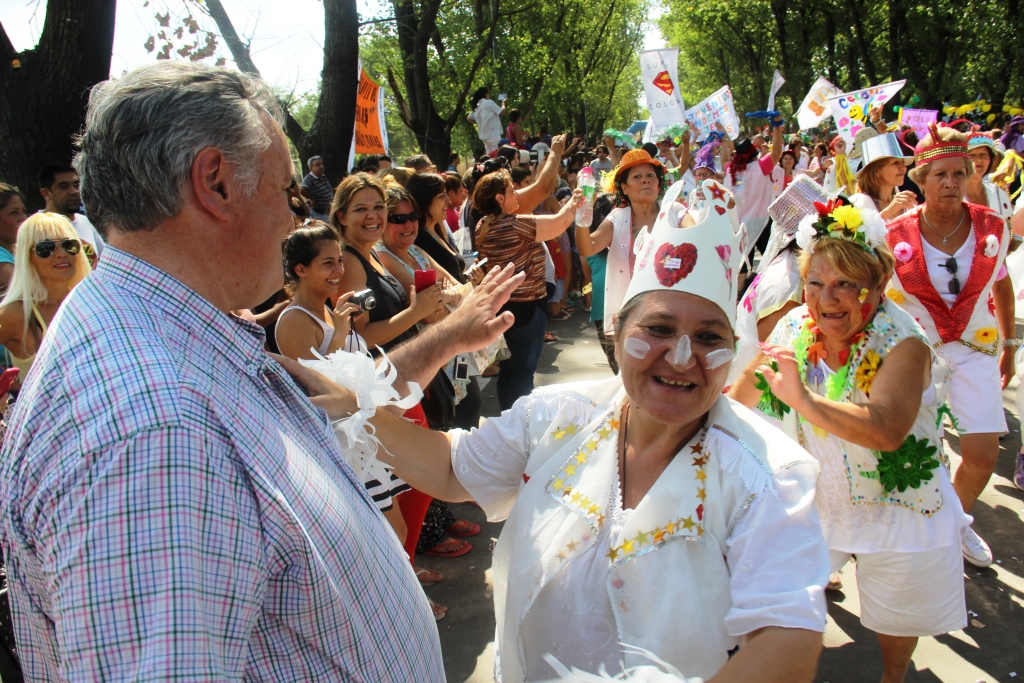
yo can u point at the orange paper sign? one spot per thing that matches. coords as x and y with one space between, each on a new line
368 113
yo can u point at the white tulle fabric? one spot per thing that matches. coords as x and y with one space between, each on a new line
373 385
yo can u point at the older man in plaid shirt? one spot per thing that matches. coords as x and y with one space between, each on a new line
173 506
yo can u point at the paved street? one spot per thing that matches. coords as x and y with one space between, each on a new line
991 649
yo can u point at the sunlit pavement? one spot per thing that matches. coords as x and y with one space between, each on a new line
990 649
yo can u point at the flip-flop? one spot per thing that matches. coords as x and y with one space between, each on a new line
548 337
440 611
428 577
459 551
463 528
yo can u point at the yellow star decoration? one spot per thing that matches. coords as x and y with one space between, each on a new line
593 508
575 497
701 493
558 484
613 554
572 545
688 523
659 536
581 458
560 556
570 470
670 528
702 474
641 538
613 423
604 432
560 434
572 430
627 547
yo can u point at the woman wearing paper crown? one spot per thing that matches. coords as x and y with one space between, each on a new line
950 276
647 509
637 183
851 377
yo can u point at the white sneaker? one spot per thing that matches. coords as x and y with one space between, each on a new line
976 551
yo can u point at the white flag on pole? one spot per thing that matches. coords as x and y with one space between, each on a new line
776 84
814 109
850 109
661 85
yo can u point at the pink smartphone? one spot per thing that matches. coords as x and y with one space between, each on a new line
423 279
7 379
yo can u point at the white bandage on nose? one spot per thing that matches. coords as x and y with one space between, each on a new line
637 348
682 356
717 358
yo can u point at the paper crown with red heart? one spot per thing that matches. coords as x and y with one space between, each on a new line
702 260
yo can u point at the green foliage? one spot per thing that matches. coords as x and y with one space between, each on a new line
770 404
909 466
568 64
948 51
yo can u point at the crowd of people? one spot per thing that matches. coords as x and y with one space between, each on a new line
789 328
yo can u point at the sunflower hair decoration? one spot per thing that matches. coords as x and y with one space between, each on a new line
840 220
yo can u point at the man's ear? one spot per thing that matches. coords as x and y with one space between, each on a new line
213 181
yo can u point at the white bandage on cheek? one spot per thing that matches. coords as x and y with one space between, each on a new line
682 356
718 358
637 348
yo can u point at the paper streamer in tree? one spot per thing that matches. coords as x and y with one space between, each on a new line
850 109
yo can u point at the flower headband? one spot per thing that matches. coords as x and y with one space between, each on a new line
841 221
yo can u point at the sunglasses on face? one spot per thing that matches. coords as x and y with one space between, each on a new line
46 248
954 284
403 218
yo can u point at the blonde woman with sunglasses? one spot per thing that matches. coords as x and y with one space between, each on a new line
49 261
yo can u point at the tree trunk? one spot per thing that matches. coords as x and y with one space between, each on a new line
329 135
43 102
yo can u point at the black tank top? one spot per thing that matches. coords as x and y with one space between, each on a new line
391 298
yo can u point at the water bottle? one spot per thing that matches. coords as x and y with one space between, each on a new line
588 186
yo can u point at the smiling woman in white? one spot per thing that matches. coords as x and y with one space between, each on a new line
647 509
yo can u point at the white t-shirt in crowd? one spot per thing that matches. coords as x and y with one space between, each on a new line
87 233
601 167
488 120
940 275
755 188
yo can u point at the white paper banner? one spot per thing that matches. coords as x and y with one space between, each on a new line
850 109
716 107
661 85
777 82
814 109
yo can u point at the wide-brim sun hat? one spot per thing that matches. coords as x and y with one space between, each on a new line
632 158
862 136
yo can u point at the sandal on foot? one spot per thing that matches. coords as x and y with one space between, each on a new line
564 315
463 528
548 337
428 577
440 611
450 547
835 582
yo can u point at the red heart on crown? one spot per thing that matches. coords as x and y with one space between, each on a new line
687 255
720 209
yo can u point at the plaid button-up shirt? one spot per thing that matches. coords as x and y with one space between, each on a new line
173 508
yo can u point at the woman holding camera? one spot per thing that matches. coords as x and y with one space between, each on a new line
313 269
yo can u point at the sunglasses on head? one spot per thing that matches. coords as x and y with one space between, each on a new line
403 218
46 248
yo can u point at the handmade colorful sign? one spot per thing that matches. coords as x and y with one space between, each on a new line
661 85
918 120
850 109
716 107
814 109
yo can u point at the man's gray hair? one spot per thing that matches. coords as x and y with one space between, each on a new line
144 130
309 162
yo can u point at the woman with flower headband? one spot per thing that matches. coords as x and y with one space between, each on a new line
950 275
637 184
850 376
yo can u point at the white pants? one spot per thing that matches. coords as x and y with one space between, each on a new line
975 390
491 145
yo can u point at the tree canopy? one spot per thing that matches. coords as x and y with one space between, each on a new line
948 51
